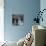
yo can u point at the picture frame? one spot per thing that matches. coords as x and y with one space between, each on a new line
17 19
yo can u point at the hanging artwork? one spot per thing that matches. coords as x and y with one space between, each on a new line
17 19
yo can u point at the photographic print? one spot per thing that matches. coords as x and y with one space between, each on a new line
18 19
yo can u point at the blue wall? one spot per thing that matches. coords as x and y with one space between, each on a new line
43 6
26 7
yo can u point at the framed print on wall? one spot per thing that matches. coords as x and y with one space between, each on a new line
17 19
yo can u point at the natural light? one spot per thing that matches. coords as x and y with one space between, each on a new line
1 25
1 21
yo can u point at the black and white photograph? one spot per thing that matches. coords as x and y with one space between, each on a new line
18 19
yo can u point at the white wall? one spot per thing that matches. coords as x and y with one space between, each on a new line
1 20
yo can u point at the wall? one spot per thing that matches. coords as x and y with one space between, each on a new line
43 6
26 7
1 20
